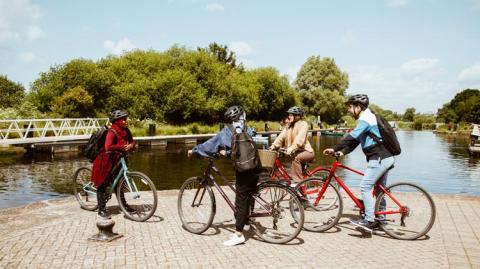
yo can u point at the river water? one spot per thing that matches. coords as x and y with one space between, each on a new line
439 163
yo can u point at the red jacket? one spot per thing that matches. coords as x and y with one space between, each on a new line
115 141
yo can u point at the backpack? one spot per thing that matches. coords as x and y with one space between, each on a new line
389 138
244 153
96 143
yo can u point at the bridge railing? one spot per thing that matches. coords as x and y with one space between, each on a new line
27 130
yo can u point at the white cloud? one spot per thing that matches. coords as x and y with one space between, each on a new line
470 74
476 4
119 47
420 65
27 57
396 3
19 20
215 7
349 37
390 89
240 48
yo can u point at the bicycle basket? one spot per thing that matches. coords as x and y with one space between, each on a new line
267 157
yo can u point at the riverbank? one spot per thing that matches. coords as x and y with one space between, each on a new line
54 233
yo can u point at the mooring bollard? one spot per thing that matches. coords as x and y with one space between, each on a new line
105 231
152 128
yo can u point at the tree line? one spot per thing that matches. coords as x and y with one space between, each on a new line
182 85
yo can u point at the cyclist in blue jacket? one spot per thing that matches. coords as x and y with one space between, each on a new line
379 159
245 182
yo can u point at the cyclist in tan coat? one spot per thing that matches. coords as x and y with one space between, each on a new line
294 139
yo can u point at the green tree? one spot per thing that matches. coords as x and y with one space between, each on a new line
11 93
409 114
73 103
222 53
275 94
323 74
328 104
461 107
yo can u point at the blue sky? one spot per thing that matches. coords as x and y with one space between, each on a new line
403 53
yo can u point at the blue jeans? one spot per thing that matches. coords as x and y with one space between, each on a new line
375 169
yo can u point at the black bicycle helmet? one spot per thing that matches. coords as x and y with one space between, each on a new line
295 110
233 113
117 114
360 99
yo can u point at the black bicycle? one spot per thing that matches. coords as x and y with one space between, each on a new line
276 215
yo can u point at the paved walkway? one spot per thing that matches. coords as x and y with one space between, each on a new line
54 233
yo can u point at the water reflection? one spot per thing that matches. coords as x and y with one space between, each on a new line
439 163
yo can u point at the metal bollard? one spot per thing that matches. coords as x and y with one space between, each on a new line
152 129
105 231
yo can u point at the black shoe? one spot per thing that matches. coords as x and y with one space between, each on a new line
364 224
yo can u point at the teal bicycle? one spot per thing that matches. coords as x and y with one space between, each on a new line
136 193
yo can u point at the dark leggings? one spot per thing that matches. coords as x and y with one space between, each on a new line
246 185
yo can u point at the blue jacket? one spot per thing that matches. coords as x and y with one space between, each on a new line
367 123
222 140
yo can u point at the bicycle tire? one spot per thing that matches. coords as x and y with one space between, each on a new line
327 212
82 181
194 190
323 174
272 218
413 223
141 197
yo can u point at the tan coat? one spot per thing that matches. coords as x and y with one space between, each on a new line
294 138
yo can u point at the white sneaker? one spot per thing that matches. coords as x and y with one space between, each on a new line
234 240
246 228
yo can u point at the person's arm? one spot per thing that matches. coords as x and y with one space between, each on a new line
352 140
109 142
278 143
220 141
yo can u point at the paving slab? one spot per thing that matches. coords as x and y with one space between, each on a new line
54 234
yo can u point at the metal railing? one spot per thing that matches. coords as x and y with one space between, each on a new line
25 131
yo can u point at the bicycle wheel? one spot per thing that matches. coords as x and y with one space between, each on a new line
409 211
84 190
325 214
196 205
323 174
137 196
277 215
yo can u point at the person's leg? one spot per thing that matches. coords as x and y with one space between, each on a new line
302 157
375 169
245 186
102 200
386 163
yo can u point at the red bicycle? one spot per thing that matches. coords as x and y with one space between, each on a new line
278 172
403 210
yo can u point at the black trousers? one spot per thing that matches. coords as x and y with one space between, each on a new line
245 185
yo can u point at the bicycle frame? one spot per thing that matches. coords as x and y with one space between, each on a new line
207 175
340 182
123 169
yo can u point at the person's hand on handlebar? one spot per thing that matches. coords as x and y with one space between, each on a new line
223 152
332 152
190 153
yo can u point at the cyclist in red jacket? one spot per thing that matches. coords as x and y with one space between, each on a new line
118 139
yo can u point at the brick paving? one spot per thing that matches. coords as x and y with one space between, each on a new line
54 233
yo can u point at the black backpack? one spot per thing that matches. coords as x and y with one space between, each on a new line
96 143
389 138
244 153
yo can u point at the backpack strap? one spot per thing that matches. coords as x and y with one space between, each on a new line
115 133
374 137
